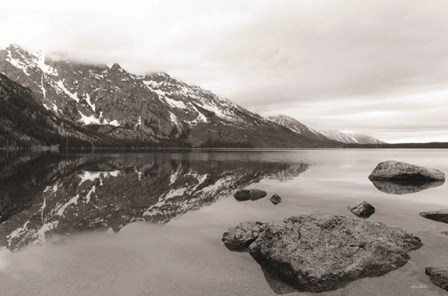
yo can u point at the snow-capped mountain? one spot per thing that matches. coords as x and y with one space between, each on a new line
302 129
154 108
351 138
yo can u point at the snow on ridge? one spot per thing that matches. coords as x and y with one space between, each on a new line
139 122
72 201
73 96
40 63
87 120
175 103
88 100
17 63
92 119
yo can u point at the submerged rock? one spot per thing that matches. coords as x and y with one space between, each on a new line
402 172
276 199
439 216
438 275
323 252
249 194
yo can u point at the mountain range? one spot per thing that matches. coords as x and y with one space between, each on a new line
69 103
302 129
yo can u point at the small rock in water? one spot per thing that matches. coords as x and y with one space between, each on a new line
438 275
249 194
402 172
363 210
444 233
322 252
276 199
439 216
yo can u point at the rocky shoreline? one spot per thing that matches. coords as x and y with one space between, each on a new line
323 252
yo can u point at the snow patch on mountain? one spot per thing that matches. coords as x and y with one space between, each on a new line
61 86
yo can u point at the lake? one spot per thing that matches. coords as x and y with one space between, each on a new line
151 223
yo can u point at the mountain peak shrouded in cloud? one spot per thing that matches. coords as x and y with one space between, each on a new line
377 67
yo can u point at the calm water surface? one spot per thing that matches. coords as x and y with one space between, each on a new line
151 223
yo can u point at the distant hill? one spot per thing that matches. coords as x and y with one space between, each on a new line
351 138
330 135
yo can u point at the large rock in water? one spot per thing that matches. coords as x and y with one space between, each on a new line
402 172
249 194
323 252
438 275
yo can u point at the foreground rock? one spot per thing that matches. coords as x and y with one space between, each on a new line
439 216
363 210
402 172
249 194
438 275
323 252
276 199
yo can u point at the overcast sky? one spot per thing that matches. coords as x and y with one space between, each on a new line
375 67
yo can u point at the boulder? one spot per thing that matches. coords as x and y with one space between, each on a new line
439 216
362 210
249 194
323 252
438 276
401 172
276 199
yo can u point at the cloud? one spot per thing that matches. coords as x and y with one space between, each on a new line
370 66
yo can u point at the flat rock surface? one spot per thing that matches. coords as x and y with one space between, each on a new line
404 172
438 275
323 252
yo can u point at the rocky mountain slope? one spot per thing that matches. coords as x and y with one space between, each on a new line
25 122
153 108
300 128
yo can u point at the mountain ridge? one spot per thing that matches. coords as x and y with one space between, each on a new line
152 108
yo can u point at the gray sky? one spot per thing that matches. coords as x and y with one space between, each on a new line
376 67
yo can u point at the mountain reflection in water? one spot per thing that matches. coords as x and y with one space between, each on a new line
49 194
